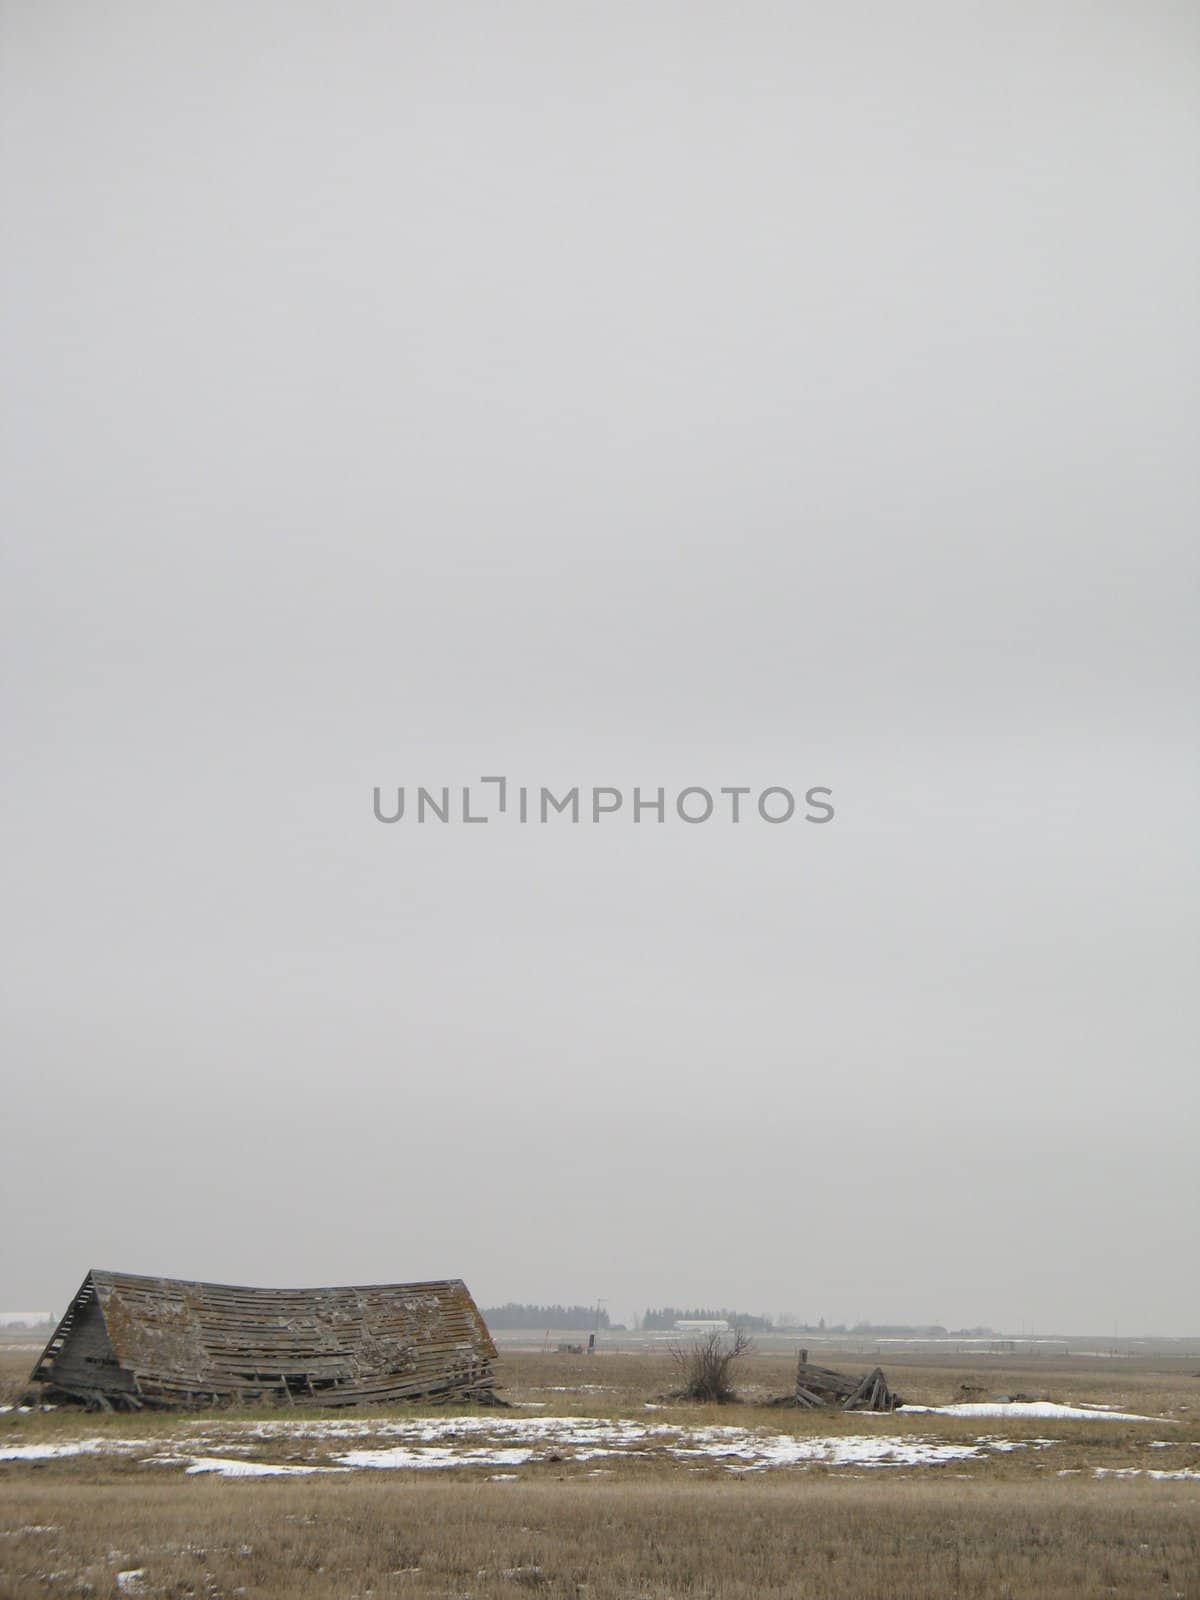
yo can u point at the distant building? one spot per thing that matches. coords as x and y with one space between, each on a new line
715 1325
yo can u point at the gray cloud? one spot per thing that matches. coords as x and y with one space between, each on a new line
658 395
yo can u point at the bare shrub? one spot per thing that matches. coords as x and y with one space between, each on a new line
705 1366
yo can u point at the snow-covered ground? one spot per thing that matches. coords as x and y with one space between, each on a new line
236 1449
209 1444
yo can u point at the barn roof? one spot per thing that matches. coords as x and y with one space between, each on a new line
129 1340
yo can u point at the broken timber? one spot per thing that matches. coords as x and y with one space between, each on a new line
822 1386
128 1342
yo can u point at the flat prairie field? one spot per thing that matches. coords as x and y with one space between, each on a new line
1044 1478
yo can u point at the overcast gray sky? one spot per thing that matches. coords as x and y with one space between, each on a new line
666 394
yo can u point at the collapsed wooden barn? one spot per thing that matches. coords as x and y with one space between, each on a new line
126 1342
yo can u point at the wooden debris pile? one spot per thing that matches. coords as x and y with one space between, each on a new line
818 1387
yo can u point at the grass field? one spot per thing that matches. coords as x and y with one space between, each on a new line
633 1496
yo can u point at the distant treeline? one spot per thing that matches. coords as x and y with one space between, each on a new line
513 1315
667 1316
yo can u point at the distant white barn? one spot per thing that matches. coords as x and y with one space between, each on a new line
713 1325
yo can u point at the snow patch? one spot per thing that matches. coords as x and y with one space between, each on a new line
1045 1410
435 1456
1178 1476
226 1467
842 1450
72 1447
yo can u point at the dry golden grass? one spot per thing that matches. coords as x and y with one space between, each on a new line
809 1537
621 1384
608 1383
642 1525
15 1367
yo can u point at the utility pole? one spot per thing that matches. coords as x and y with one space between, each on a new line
596 1330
